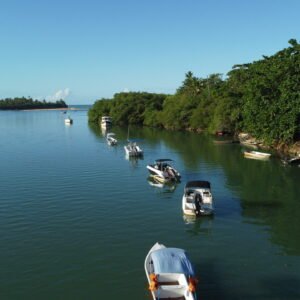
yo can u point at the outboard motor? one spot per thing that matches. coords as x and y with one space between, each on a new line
198 202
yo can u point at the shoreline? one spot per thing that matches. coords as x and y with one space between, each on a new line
59 108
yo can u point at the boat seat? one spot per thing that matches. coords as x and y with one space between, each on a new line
173 298
168 283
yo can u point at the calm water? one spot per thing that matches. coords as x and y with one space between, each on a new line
77 219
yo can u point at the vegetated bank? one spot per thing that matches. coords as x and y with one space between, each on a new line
261 98
22 103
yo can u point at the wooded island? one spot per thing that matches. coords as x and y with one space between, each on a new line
261 98
29 103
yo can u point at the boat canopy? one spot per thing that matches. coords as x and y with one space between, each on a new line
163 160
171 260
198 184
110 134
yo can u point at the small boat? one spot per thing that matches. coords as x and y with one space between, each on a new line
68 121
132 149
197 198
163 171
250 144
170 274
256 155
106 122
295 161
111 140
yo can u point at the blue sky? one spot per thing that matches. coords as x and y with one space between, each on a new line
86 50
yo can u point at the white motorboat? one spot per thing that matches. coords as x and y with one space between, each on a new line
111 140
68 121
256 155
163 171
197 199
170 274
295 161
106 122
132 149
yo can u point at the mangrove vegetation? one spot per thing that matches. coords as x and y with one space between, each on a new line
261 98
29 103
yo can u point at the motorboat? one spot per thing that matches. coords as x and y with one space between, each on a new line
163 171
197 199
106 122
132 149
256 155
170 274
68 121
111 140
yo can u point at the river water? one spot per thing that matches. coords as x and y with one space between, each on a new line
77 218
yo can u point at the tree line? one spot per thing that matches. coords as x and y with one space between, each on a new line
261 98
29 103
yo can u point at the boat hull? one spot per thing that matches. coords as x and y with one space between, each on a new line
197 201
164 176
167 285
256 155
133 153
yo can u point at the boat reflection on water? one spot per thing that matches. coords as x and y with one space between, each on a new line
134 160
104 131
165 187
196 226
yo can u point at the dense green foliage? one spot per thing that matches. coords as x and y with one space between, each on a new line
261 98
29 103
129 108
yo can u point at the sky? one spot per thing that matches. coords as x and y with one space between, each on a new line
82 51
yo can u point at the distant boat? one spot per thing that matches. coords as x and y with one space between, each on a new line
111 140
197 198
132 149
251 144
170 274
295 161
68 121
106 122
257 155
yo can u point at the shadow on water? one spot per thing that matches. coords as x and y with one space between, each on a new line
275 291
198 226
212 287
210 284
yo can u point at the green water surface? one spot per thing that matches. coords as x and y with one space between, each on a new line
77 218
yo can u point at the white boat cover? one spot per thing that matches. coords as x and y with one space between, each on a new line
171 260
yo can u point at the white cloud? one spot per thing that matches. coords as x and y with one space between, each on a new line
61 94
126 90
